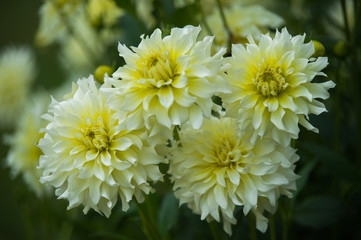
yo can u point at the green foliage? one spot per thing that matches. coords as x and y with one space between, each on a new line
318 211
167 214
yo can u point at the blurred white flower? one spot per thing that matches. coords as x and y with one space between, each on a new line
54 17
242 21
83 29
144 10
17 71
217 169
103 12
90 156
23 155
272 88
170 79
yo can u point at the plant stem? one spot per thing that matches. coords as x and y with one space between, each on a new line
226 26
272 227
215 231
27 222
337 108
285 231
252 228
353 39
148 228
204 18
344 13
285 218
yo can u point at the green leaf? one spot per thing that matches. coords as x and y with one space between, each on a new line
168 213
332 162
304 174
318 211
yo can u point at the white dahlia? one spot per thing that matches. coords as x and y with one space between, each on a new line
90 157
53 17
272 85
170 79
23 155
242 21
83 29
17 71
217 169
103 12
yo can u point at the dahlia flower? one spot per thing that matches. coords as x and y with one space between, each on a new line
90 157
17 71
242 21
23 155
217 169
272 85
84 30
170 79
52 16
103 12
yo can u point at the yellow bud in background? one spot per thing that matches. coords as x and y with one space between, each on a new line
341 49
100 72
319 49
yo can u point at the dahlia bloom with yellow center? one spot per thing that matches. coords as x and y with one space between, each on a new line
272 85
17 72
217 169
90 157
170 79
23 155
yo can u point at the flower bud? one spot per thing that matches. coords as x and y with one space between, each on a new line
319 49
100 72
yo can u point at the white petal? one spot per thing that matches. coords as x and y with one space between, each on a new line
271 103
196 117
165 95
300 91
276 118
182 97
220 196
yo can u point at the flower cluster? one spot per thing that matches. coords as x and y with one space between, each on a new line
223 120
101 143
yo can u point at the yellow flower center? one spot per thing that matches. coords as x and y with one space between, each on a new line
96 138
160 69
270 81
229 153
